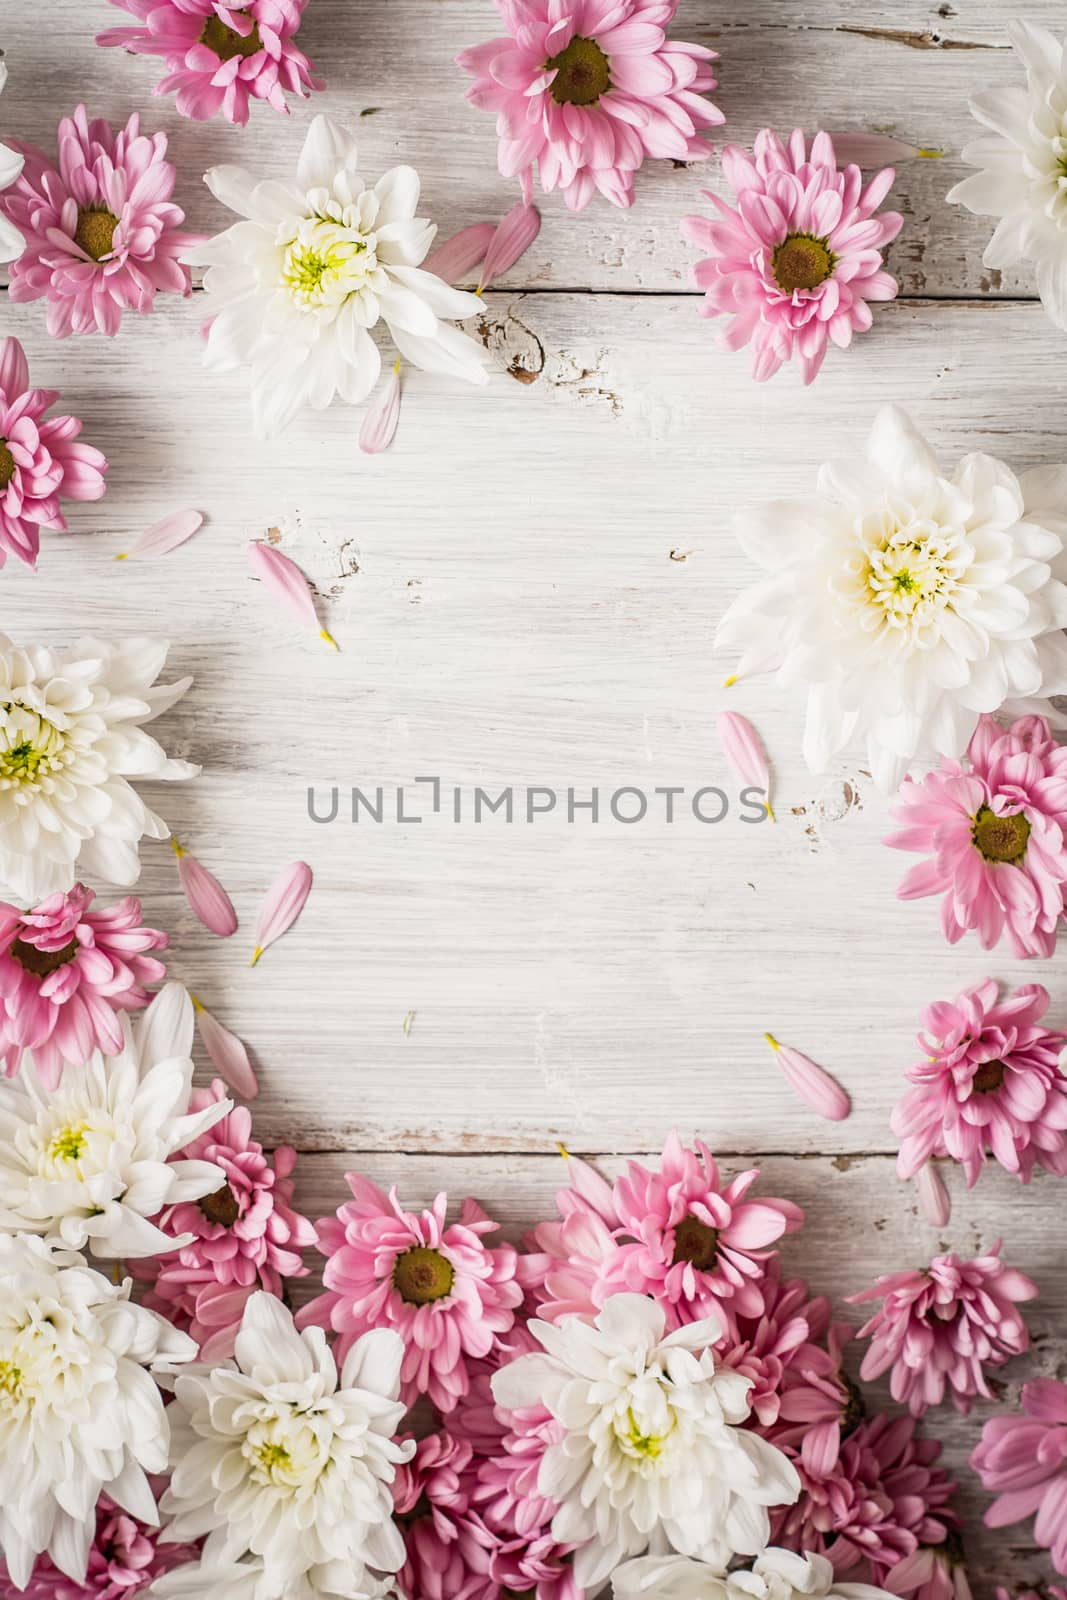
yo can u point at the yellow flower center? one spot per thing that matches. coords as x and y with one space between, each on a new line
273 1457
7 465
10 1381
802 261
32 749
648 1446
42 962
95 231
227 42
910 579
422 1275
1001 839
696 1243
69 1143
583 73
326 262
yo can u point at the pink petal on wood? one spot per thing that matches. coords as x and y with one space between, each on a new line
287 584
742 748
933 1196
205 894
877 150
164 536
227 1052
511 240
379 424
283 904
812 1083
459 256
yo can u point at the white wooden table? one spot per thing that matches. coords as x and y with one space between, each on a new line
525 590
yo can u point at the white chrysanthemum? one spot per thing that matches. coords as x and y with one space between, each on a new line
1023 167
80 1413
294 290
652 1450
225 1578
291 1464
12 243
906 603
71 741
775 1575
88 1163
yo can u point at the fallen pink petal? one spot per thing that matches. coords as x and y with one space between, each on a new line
164 536
379 423
511 241
743 750
228 1053
207 898
811 1083
458 256
934 1199
285 581
285 899
877 150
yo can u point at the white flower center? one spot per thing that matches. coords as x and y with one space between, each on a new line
328 259
31 748
284 1451
907 570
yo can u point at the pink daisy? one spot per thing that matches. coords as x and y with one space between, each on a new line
248 1235
446 1292
586 89
102 234
942 1327
125 1557
798 260
764 1348
220 57
989 1082
996 828
445 1557
1023 1461
66 973
40 460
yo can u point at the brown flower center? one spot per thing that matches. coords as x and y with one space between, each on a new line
43 962
422 1275
95 231
583 73
989 1077
802 261
221 1206
855 1410
227 42
1001 838
7 465
951 1548
696 1243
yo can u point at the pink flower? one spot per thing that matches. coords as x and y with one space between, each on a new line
997 831
522 1556
248 1234
989 1082
932 1573
1051 1591
798 260
125 1557
40 461
66 972
102 234
885 1499
220 57
446 1292
432 1498
586 89
1023 1460
942 1327
765 1348
820 1406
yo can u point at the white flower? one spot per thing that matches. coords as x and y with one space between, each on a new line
70 738
291 1465
12 243
79 1411
1023 167
225 1578
652 1449
906 603
775 1575
89 1163
294 290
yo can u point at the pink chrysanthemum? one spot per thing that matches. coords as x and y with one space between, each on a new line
932 1574
1052 1591
940 1328
819 1406
125 1557
66 973
220 57
446 1292
997 830
248 1235
41 461
796 264
989 1082
522 1556
764 1348
885 1499
1022 1459
102 233
586 89
431 1493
